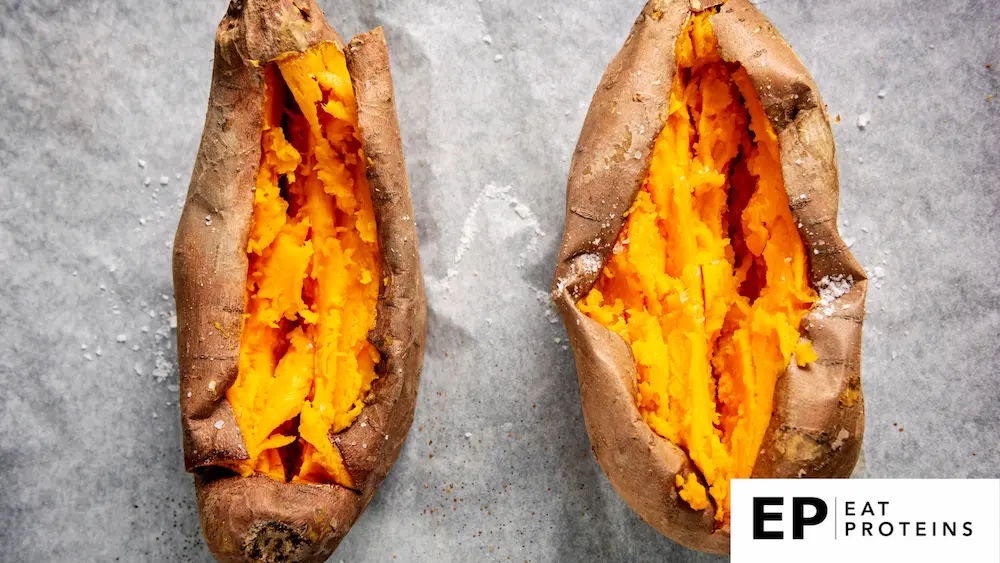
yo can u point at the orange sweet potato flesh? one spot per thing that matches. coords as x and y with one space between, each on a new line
312 286
708 282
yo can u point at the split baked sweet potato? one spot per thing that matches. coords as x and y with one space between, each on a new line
714 312
300 302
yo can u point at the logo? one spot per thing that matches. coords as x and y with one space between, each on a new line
799 520
867 520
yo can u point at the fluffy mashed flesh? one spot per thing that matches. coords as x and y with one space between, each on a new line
708 281
305 363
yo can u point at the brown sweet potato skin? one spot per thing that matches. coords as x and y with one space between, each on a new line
256 518
818 421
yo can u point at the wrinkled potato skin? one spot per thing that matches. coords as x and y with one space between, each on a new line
818 421
258 519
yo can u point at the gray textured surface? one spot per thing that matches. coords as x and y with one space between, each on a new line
90 450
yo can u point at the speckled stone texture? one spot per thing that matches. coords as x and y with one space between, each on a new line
90 456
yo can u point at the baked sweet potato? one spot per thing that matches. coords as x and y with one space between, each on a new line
300 303
714 312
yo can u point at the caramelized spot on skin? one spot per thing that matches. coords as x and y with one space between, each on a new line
312 286
709 281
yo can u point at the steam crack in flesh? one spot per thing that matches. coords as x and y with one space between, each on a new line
306 365
708 282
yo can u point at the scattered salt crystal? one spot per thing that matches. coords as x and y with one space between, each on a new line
565 347
893 354
147 181
830 289
364 446
122 338
468 434
498 58
849 242
135 347
798 161
638 155
154 415
98 350
178 175
189 394
102 287
142 163
803 196
208 220
557 340
590 262
861 159
211 385
173 321
863 120
881 93
816 251
487 39
83 346
163 368
164 180
88 357
144 329
219 424
112 268
173 388
138 368
152 314
142 220
865 230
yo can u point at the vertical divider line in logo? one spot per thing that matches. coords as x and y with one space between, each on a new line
834 517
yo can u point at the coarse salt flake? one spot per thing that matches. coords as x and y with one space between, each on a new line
830 289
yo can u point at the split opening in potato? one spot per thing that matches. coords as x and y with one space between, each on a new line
709 279
312 285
